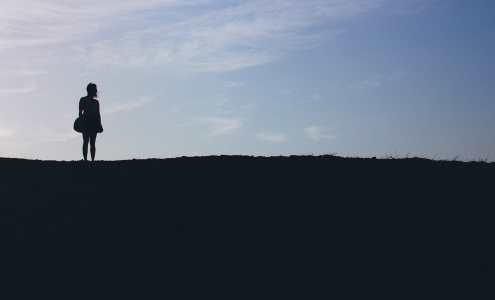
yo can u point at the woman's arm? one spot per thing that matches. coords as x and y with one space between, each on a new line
99 116
80 107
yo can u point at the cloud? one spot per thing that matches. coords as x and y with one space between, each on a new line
46 134
32 72
35 23
220 126
222 101
233 84
315 97
271 137
318 133
7 131
16 71
27 88
185 36
42 133
115 107
377 80
217 38
188 36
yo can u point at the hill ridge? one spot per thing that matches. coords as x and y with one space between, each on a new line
238 227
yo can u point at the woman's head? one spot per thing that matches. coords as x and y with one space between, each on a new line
92 90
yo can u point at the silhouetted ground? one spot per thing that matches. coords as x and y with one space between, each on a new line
232 227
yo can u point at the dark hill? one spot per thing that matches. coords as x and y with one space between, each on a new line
233 227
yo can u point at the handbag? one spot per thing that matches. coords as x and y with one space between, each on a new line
78 125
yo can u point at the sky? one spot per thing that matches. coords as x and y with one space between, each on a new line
354 78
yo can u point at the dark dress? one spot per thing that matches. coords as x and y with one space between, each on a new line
90 117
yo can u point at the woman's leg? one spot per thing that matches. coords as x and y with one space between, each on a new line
92 141
85 146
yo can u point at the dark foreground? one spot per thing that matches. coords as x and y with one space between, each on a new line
247 228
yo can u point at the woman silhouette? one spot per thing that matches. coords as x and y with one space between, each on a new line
89 112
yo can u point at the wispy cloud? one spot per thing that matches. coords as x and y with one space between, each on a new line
187 36
41 133
377 80
7 131
313 98
319 133
45 134
217 38
118 106
31 72
233 84
222 101
35 23
27 88
220 126
272 137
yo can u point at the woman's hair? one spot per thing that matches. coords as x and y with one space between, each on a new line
92 90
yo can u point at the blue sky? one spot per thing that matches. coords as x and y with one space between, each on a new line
183 78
